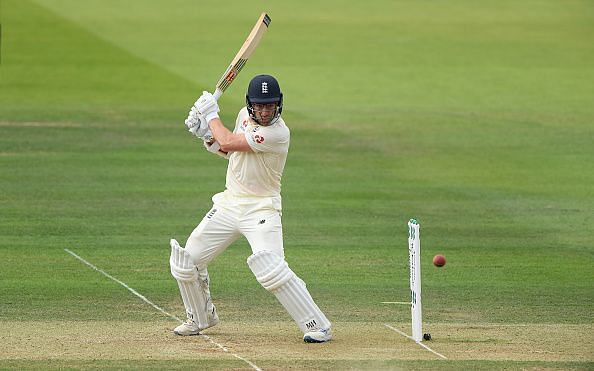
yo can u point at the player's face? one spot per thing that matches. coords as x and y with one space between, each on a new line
265 112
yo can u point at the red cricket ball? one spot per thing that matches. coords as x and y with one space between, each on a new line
439 260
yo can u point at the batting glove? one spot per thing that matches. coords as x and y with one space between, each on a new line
207 106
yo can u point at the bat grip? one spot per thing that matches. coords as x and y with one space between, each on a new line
217 94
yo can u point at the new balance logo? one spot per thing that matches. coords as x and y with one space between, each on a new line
311 324
262 221
211 213
264 88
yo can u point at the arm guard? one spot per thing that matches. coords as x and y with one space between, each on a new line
214 147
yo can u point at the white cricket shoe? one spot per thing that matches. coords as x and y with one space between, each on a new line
318 336
189 327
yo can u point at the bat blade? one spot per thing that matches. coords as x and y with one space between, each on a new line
243 55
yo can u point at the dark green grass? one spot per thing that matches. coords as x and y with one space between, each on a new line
476 119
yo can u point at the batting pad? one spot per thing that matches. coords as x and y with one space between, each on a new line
274 275
194 298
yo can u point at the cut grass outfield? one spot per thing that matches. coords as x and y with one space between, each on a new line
476 119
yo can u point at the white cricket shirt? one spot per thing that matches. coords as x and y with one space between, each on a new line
258 173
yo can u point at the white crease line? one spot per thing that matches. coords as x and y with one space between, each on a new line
397 302
410 337
224 349
123 284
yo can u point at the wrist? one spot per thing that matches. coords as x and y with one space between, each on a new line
211 116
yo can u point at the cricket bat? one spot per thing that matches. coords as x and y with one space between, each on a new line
243 55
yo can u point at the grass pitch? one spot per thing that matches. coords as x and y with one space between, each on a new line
474 118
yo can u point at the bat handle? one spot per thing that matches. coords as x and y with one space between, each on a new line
217 94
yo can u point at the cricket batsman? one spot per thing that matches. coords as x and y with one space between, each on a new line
250 206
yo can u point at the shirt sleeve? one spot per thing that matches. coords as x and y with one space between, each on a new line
268 139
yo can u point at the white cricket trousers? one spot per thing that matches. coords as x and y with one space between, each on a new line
256 218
